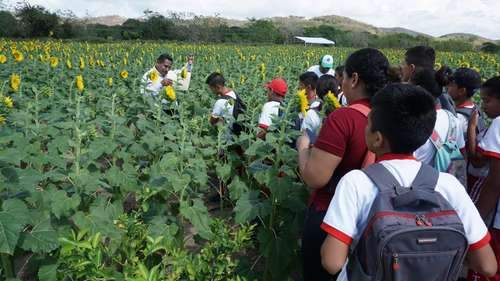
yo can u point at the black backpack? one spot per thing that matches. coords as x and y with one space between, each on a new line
413 233
239 107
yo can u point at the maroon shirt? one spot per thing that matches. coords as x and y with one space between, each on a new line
343 135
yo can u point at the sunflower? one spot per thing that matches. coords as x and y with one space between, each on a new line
184 73
332 99
8 102
170 93
82 63
18 56
3 59
153 75
54 62
303 102
110 82
15 81
68 64
79 83
124 74
2 119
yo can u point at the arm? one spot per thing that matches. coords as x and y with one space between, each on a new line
483 261
490 189
315 165
215 120
474 157
333 254
262 134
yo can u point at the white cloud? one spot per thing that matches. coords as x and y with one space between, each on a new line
435 17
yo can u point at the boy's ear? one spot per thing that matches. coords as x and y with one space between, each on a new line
355 80
379 142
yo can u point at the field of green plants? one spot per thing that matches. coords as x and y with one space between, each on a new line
98 182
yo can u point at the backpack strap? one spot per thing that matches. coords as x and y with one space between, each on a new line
370 156
381 177
467 112
427 178
452 128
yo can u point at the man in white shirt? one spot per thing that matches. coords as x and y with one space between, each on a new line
325 66
222 111
401 120
276 94
311 121
161 76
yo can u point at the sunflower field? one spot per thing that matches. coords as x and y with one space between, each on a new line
98 182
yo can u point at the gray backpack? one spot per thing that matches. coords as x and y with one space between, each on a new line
413 234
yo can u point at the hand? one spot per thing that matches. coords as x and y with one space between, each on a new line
166 82
474 119
303 142
190 59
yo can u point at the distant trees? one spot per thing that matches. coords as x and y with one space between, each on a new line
36 21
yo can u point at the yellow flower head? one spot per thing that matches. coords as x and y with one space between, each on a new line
15 81
124 74
184 73
68 64
79 83
170 93
8 102
110 81
303 102
82 63
3 59
332 99
18 56
154 75
54 62
2 119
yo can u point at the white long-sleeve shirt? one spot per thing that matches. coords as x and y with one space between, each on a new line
153 88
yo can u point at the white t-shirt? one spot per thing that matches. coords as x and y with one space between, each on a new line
153 88
223 108
270 110
426 152
315 69
312 121
343 100
347 215
490 147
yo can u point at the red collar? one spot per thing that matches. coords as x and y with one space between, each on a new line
393 156
363 102
466 104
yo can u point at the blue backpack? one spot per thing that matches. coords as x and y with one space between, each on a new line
448 151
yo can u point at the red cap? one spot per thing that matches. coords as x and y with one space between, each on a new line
278 86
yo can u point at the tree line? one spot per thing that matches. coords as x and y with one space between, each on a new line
35 21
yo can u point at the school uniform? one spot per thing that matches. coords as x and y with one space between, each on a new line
269 112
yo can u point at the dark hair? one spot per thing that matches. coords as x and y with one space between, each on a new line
405 115
467 78
340 70
309 79
164 57
493 87
443 76
426 78
215 79
422 56
395 74
371 66
326 83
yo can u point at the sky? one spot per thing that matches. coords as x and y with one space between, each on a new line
434 17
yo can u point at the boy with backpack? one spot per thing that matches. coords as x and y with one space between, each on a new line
404 220
446 145
276 93
310 122
228 106
488 153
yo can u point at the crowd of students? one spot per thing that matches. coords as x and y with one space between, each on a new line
367 166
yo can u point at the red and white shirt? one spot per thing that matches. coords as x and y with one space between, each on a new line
489 146
343 135
347 215
270 110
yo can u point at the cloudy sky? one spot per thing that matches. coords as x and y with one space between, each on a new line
435 17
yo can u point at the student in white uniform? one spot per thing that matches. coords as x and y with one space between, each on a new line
276 93
311 122
488 151
401 120
162 75
324 67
